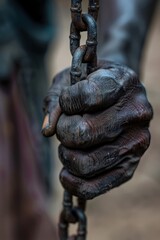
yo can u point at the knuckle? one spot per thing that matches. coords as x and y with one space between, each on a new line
85 166
133 75
83 135
137 142
130 79
63 130
148 111
144 107
128 174
73 161
88 191
144 112
138 109
143 140
130 167
74 132
80 168
106 80
127 169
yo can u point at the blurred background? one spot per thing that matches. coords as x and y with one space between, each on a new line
131 211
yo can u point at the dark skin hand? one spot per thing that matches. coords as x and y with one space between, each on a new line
102 124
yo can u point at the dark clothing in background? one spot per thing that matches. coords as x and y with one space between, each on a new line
25 158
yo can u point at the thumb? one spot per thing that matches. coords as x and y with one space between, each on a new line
51 119
51 103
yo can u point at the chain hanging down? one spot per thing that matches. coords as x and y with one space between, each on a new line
81 54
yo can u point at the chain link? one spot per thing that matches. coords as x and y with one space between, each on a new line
84 54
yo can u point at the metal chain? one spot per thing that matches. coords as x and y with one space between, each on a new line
81 54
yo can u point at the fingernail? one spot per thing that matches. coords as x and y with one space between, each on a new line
45 122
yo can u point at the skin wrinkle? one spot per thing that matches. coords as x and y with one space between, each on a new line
101 149
104 163
72 132
86 127
91 102
85 93
86 164
124 175
65 100
88 189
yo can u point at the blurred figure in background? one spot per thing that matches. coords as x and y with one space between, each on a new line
26 30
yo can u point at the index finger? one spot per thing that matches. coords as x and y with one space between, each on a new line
99 91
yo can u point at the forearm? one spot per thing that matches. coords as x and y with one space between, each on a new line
123 29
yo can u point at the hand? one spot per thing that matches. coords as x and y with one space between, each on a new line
102 124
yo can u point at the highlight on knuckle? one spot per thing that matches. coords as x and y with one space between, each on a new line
83 134
76 133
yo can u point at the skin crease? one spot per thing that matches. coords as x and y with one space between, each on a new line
102 121
103 128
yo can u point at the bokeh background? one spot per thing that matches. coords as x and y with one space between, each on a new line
131 211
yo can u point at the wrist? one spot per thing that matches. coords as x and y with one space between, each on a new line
122 47
123 30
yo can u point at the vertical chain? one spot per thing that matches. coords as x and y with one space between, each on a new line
84 54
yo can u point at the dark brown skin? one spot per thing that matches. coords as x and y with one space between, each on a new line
102 124
123 29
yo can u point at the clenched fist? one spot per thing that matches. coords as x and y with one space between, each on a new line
102 123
